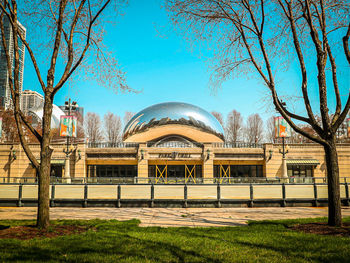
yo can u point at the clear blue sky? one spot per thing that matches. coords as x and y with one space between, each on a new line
164 68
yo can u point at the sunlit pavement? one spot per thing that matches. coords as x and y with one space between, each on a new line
175 217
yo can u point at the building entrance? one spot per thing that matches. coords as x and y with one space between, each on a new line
175 173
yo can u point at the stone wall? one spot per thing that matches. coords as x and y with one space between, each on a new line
144 156
306 151
14 161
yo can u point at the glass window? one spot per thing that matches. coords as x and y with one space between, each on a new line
112 170
199 171
176 171
151 171
259 171
122 172
100 171
109 171
253 170
300 170
309 171
239 170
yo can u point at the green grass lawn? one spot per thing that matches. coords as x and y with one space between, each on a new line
114 241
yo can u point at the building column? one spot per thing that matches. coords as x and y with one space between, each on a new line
142 164
66 176
208 163
284 168
269 163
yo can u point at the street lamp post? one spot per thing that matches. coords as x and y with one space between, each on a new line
68 107
284 151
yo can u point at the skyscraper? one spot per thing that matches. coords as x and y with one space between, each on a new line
5 94
30 99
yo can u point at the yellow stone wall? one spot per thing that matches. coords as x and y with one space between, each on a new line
344 160
21 166
142 157
208 161
273 167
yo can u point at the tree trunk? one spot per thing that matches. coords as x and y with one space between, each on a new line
43 216
334 202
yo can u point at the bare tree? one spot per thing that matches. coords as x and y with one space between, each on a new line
93 127
128 116
270 129
219 117
254 129
264 36
9 132
234 127
294 137
65 34
112 127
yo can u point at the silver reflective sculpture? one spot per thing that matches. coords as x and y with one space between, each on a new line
38 113
173 113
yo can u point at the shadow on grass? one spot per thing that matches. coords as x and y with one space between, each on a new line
289 221
278 239
97 248
19 253
2 227
114 241
297 251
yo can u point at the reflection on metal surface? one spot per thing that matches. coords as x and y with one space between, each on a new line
38 113
173 113
173 141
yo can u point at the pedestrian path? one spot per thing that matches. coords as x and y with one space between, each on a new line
174 217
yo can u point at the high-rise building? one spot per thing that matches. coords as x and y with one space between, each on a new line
5 94
30 99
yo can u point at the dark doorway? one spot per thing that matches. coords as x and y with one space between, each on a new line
56 170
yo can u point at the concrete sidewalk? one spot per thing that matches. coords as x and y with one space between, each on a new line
174 217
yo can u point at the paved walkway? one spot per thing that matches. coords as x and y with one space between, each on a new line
174 217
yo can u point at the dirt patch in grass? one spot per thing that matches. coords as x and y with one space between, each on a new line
29 232
324 229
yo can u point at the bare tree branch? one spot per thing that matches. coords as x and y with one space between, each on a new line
346 44
67 74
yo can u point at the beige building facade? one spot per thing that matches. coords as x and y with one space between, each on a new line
15 164
216 160
178 143
166 164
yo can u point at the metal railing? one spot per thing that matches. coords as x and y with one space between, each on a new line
121 195
236 180
171 180
236 145
112 145
174 144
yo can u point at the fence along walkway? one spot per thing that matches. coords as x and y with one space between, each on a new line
173 180
177 194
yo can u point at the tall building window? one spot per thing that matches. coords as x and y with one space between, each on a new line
5 94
